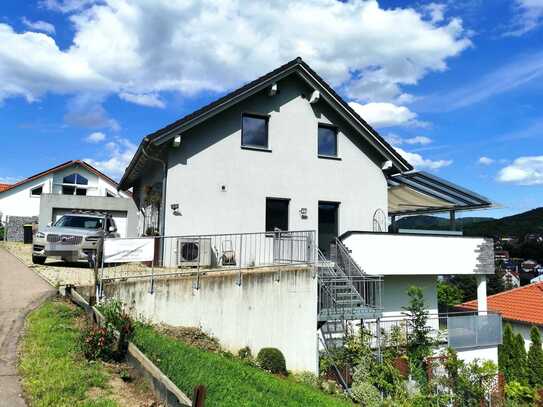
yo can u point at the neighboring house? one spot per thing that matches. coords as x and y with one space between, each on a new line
46 196
287 152
529 266
511 279
521 307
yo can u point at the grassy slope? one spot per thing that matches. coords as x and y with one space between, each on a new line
229 382
53 371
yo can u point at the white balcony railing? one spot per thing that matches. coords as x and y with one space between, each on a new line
404 254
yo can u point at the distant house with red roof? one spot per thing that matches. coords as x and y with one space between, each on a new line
521 307
21 201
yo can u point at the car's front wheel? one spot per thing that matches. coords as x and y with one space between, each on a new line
38 259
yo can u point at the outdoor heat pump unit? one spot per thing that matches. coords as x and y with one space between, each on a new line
193 252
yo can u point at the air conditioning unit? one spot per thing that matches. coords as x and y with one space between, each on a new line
193 252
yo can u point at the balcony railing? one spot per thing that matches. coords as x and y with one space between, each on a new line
459 330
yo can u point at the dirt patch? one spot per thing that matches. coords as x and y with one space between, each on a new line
127 389
191 336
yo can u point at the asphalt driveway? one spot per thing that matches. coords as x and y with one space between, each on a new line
21 290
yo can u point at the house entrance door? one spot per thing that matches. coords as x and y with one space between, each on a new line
328 225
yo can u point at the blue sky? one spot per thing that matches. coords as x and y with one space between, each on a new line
456 86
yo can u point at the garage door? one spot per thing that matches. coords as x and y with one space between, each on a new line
118 216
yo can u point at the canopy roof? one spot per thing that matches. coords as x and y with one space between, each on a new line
418 192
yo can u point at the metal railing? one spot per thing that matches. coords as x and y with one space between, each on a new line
459 330
198 254
346 296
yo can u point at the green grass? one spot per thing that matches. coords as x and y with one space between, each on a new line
229 382
53 371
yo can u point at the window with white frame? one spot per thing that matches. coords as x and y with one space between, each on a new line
74 184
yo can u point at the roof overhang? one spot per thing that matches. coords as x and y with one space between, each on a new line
418 192
296 66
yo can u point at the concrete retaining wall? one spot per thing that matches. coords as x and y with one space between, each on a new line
262 312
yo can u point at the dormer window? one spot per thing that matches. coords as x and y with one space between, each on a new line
71 184
254 131
327 141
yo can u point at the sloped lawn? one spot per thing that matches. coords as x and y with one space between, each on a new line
52 369
229 381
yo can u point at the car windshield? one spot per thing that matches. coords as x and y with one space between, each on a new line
80 222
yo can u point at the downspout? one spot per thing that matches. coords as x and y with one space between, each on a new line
162 228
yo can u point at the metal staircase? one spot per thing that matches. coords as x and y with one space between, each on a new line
345 291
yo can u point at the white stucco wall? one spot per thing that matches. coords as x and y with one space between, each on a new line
481 354
524 330
400 254
262 312
395 293
19 202
210 156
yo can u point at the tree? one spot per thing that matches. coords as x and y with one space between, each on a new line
505 352
419 342
518 362
535 359
448 295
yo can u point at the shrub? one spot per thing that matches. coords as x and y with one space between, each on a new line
98 343
518 393
366 394
306 378
245 353
118 319
272 360
535 359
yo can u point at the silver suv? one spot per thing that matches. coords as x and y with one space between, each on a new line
73 237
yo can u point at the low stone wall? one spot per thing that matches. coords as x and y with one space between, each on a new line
14 227
273 307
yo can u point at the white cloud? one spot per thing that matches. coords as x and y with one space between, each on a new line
529 17
66 6
96 137
149 99
420 140
365 50
39 25
418 161
397 140
10 180
86 110
119 154
523 171
386 114
436 12
486 160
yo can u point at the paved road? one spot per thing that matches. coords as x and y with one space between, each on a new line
21 290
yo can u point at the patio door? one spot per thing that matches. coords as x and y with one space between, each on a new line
328 225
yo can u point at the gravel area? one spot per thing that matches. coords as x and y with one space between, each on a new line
60 273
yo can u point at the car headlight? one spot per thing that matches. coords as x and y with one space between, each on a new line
40 235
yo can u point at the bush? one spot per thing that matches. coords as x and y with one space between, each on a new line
272 360
245 354
518 393
306 378
366 394
98 343
118 319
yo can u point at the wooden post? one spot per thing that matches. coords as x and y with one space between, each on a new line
199 396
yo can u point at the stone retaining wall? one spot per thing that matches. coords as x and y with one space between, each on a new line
14 227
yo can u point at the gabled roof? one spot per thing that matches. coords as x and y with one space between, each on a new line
442 195
523 304
296 66
3 187
60 167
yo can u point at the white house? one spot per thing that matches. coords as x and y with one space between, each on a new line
287 152
20 202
